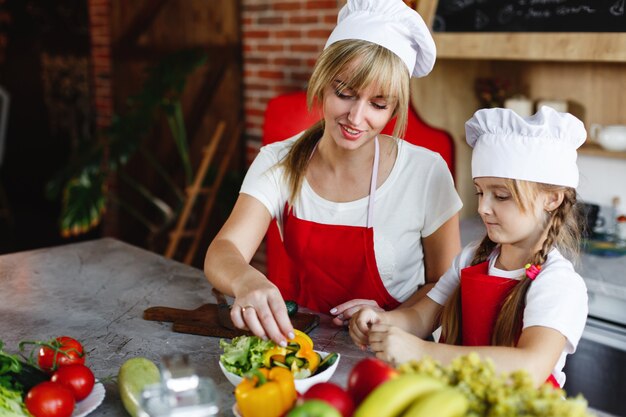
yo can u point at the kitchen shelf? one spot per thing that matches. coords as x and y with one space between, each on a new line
597 150
553 46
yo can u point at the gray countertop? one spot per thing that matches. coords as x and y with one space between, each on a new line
97 291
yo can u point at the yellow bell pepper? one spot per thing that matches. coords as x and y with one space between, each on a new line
277 352
269 393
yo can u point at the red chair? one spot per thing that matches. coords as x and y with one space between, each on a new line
287 115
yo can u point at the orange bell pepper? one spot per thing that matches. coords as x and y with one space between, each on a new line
306 351
269 393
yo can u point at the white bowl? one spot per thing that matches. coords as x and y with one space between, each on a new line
302 385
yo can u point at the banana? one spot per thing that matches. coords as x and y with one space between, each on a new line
447 402
393 396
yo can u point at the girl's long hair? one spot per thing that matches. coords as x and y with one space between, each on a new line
367 64
563 233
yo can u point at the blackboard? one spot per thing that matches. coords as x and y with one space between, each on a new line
530 16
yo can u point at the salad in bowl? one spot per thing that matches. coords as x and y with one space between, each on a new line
244 354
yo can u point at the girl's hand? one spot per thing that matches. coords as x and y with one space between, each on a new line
343 312
394 345
260 308
360 324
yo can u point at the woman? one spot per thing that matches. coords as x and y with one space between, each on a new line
366 219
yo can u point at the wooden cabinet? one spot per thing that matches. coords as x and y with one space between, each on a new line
586 69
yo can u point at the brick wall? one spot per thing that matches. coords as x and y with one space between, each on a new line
281 42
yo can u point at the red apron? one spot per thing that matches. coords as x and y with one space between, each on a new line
332 264
482 296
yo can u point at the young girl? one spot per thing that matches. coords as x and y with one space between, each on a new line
367 219
512 297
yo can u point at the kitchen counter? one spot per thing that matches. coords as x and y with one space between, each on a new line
96 292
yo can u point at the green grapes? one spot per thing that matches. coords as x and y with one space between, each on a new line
491 394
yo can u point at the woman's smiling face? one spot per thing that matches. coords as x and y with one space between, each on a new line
352 117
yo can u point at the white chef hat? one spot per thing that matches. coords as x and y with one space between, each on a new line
539 148
391 24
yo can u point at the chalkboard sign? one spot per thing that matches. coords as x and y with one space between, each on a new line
530 16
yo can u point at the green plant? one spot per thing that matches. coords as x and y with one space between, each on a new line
83 185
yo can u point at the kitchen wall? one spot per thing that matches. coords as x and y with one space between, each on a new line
602 179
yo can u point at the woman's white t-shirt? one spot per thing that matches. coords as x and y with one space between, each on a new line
413 202
557 298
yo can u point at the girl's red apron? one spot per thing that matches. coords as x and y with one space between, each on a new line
482 296
332 264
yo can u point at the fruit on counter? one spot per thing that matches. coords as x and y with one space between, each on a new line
77 378
60 351
133 376
333 394
366 375
392 397
50 399
446 402
498 395
314 408
267 393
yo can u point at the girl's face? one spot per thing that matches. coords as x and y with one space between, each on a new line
506 223
352 117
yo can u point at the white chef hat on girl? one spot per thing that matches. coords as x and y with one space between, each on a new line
391 24
539 148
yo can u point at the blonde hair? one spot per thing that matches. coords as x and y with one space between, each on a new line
367 64
563 232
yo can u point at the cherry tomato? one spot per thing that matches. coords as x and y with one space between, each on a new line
77 378
49 399
64 351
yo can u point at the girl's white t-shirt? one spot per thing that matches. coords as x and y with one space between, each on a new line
413 202
557 298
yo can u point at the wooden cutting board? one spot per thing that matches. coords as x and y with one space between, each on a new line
204 321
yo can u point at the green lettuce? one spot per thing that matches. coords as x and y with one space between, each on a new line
11 404
244 353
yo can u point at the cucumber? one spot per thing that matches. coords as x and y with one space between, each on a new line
133 376
29 376
292 307
327 362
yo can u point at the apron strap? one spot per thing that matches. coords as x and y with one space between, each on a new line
373 181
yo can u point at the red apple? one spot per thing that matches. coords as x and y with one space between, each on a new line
334 395
366 375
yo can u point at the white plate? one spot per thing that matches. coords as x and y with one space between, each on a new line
93 400
302 385
236 411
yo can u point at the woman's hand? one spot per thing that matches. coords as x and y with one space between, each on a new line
260 308
343 312
360 324
394 345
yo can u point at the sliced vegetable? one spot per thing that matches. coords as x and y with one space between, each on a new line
244 353
327 362
266 393
133 376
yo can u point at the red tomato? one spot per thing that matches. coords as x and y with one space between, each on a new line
49 399
64 351
366 375
77 378
334 395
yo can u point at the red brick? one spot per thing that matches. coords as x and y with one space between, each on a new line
318 33
292 62
301 76
296 34
256 34
306 48
287 6
255 7
304 19
330 18
273 20
99 2
270 48
254 112
245 21
271 74
321 4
